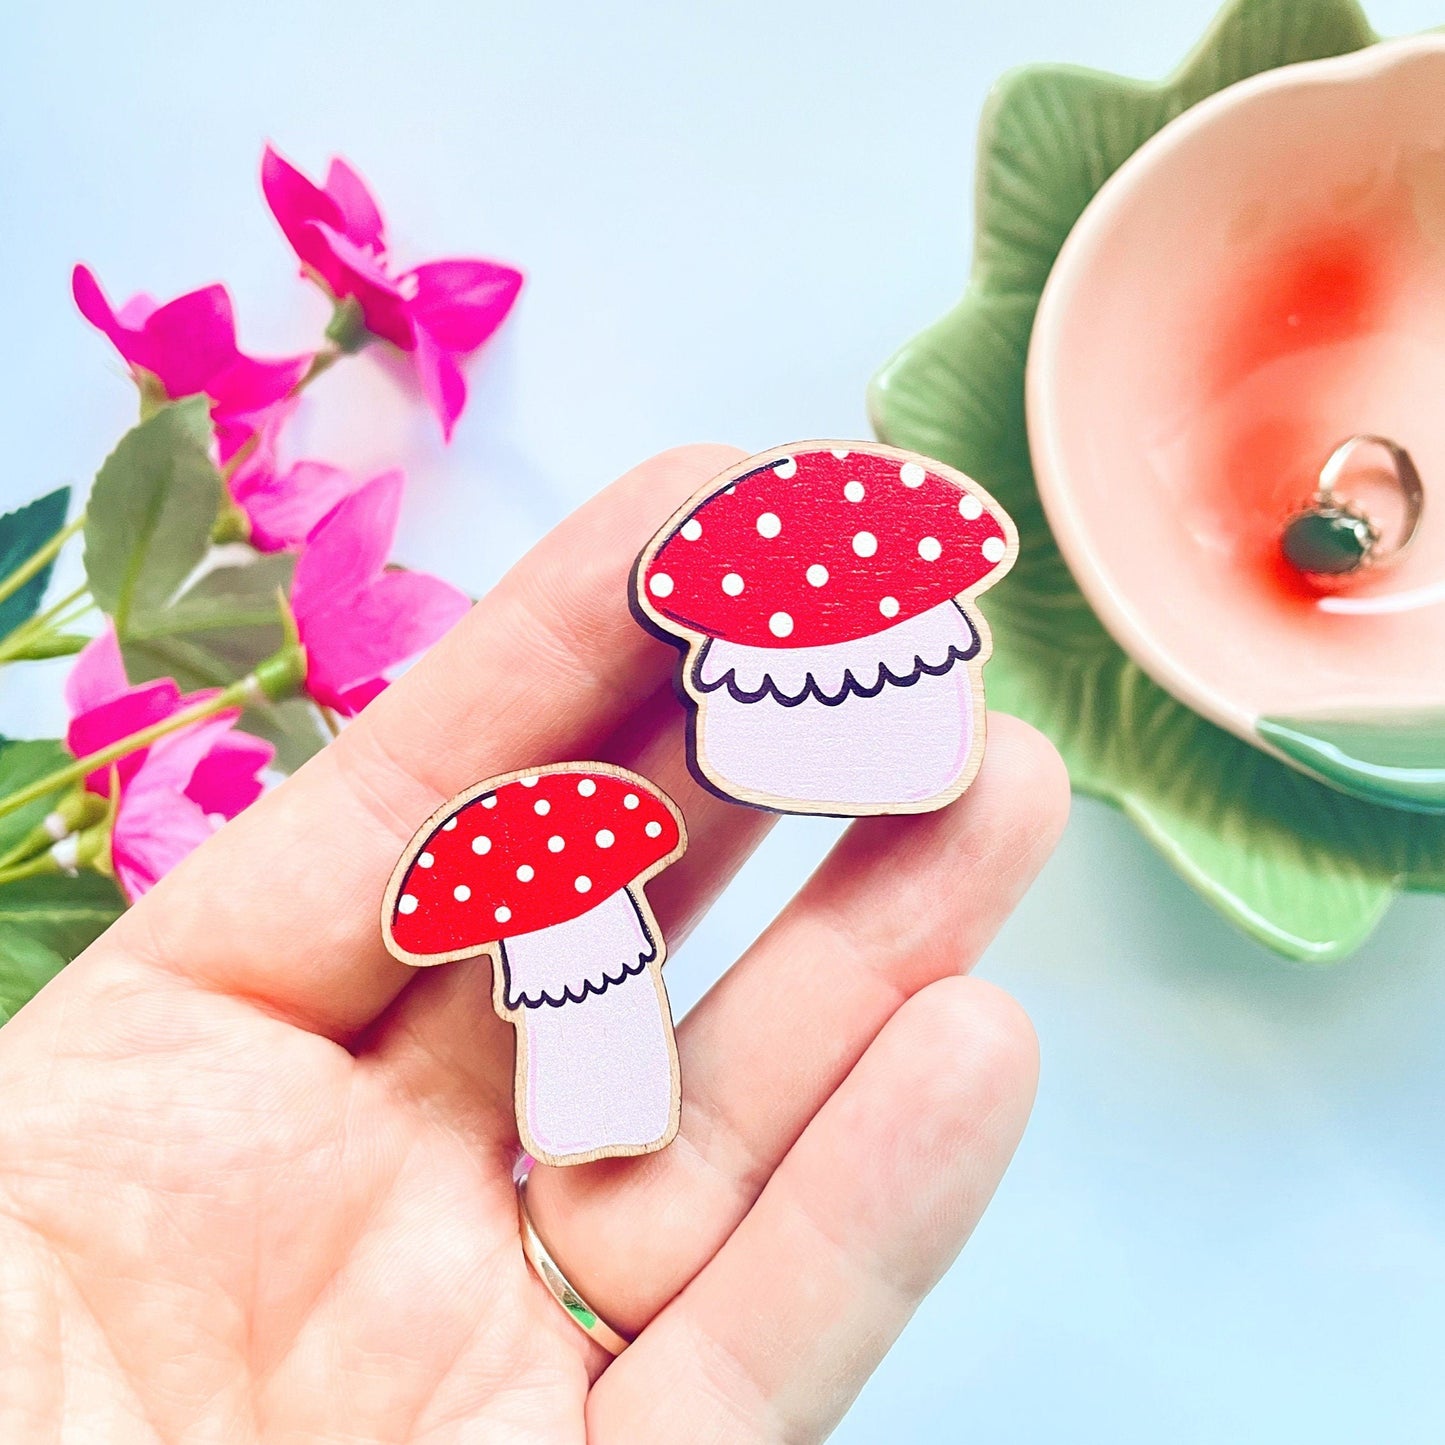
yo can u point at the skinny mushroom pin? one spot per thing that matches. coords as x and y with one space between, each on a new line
542 870
822 594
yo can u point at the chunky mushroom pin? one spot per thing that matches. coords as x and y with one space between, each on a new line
822 594
542 870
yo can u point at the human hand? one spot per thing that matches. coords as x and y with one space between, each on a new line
256 1176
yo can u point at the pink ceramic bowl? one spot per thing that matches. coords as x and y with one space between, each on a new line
1262 279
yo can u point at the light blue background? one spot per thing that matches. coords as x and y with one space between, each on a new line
1227 1223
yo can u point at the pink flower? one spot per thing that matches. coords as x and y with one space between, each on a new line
357 618
173 794
283 507
189 346
440 312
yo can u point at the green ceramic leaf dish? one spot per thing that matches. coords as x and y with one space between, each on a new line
1305 869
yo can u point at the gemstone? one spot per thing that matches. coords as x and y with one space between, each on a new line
1327 542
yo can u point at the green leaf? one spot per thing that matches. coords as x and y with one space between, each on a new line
1298 864
44 924
217 631
239 602
23 533
1395 760
1051 135
149 518
1292 862
23 762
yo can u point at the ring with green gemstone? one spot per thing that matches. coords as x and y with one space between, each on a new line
1333 539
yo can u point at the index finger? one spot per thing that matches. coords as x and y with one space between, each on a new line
282 906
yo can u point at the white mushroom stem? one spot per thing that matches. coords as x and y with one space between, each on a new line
595 1058
881 721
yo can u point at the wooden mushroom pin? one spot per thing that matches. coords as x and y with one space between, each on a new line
822 594
543 871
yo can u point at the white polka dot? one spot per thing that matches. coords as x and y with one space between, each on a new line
526 873
461 892
911 474
969 507
691 530
993 549
425 860
780 624
587 787
481 844
786 468
583 884
541 807
728 491
653 829
660 584
817 575
631 801
503 914
841 455
490 801
769 525
406 904
529 782
889 606
930 549
732 584
854 491
865 544
556 843
449 825
606 838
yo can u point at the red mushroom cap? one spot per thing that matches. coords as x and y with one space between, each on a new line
526 852
809 546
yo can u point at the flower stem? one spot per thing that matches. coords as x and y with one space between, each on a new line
54 618
38 561
321 363
246 690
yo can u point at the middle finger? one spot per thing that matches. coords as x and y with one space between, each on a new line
899 903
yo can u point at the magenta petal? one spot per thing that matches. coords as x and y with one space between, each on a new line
351 702
189 341
92 303
164 813
284 509
155 829
264 427
398 616
125 328
441 379
226 780
463 302
172 761
132 710
349 548
360 218
97 675
296 203
357 620
360 273
249 384
137 311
